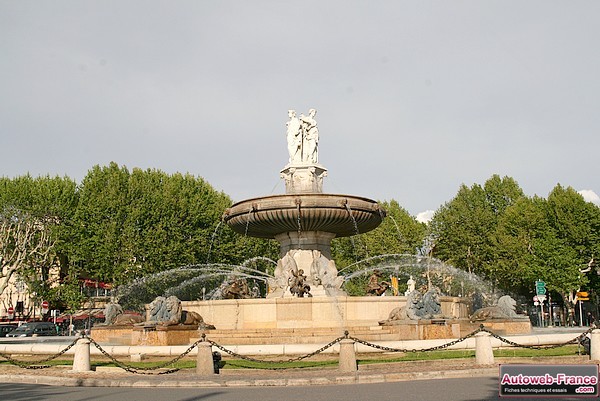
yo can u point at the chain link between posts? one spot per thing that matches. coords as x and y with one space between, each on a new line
481 329
149 370
435 348
146 370
37 364
282 361
576 340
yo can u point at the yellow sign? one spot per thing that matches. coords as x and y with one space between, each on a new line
394 285
583 296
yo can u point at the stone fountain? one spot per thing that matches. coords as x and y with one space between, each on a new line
305 302
304 220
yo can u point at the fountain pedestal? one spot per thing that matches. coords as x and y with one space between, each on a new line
301 178
310 253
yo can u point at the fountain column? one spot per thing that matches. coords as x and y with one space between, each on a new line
305 249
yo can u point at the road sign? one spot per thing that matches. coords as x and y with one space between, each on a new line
541 298
45 306
540 287
11 310
536 299
583 296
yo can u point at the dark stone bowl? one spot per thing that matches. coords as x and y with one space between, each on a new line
265 217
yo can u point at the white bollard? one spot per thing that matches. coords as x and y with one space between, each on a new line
347 362
81 359
595 345
204 361
484 355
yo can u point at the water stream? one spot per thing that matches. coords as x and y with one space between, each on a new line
212 240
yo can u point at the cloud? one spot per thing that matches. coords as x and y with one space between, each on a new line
425 217
590 196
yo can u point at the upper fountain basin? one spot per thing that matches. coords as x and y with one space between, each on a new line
266 217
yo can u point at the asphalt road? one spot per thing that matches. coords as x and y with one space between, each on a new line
467 389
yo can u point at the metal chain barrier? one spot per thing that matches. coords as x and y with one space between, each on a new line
146 370
37 364
436 348
278 362
575 340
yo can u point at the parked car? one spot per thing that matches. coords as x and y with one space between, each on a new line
34 329
6 328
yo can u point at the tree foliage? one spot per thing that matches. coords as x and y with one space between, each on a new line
514 240
36 224
464 229
118 225
132 224
398 233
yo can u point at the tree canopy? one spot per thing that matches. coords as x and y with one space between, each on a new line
513 240
118 225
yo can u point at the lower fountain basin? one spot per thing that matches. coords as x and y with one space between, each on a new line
266 217
308 321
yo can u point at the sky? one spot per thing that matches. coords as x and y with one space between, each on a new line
413 98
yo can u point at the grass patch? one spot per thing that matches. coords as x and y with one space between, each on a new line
567 350
244 364
422 356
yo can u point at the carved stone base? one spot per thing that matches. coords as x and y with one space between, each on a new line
310 252
303 178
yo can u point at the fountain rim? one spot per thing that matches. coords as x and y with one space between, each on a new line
304 195
260 205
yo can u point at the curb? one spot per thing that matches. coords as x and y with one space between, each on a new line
197 381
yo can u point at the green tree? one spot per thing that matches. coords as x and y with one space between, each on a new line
520 234
398 233
171 219
464 229
576 227
550 239
40 212
131 224
98 223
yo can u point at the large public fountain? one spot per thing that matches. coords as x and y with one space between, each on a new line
305 301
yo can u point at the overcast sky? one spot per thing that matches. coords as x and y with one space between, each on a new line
414 98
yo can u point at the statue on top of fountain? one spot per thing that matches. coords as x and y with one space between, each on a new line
303 138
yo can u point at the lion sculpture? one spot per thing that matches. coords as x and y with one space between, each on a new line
417 307
169 312
114 316
505 309
432 308
410 311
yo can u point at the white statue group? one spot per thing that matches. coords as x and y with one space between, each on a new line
302 137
